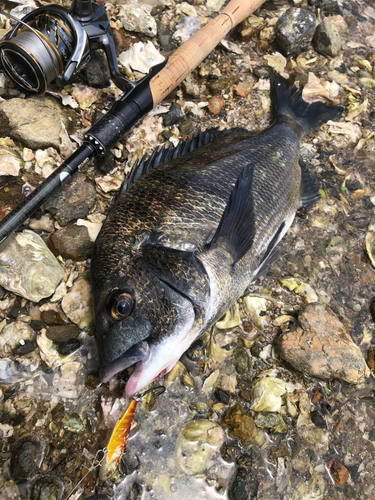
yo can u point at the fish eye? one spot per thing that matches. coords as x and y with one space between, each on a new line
121 306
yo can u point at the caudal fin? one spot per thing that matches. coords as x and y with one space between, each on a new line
287 102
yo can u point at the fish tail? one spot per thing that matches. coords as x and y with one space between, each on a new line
287 103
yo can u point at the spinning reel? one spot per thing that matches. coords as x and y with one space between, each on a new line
51 43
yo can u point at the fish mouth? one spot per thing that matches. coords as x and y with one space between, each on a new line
138 353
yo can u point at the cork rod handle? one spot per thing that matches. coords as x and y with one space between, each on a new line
193 51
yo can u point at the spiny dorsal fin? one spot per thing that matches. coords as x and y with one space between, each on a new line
236 229
163 155
309 191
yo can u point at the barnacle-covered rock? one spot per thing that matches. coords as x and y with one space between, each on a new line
295 30
138 18
27 267
197 443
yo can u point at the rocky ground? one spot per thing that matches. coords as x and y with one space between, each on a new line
277 401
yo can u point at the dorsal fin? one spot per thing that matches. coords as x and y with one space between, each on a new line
163 155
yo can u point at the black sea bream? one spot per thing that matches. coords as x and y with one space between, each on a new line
183 243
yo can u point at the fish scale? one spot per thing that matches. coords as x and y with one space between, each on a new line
182 243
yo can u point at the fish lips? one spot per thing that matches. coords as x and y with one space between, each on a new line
138 352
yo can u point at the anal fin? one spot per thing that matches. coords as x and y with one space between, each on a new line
236 229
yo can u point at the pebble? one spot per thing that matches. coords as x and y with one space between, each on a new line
322 347
338 473
24 348
197 443
244 88
327 40
17 311
138 18
241 426
43 131
27 267
174 116
26 456
47 488
94 72
295 30
63 333
77 304
69 347
215 104
72 242
73 201
186 126
241 361
52 317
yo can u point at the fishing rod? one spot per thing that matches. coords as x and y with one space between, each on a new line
86 22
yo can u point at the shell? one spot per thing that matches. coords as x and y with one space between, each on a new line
27 267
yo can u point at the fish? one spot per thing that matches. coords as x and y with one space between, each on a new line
182 243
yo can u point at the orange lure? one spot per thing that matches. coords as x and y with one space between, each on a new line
116 444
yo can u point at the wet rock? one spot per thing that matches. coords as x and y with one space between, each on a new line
69 347
73 201
77 304
243 89
165 37
251 27
322 348
25 348
371 359
272 421
241 361
43 130
186 126
26 456
2 293
72 242
27 267
63 333
196 445
47 488
318 420
241 426
220 86
243 486
13 335
138 18
36 325
10 162
295 30
263 71
327 40
222 396
338 473
105 163
215 104
174 116
17 311
94 72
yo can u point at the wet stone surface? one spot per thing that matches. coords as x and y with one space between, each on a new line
284 427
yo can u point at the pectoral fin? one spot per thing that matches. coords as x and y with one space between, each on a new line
236 229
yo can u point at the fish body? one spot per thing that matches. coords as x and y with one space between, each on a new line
183 243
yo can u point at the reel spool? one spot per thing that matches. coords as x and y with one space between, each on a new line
50 43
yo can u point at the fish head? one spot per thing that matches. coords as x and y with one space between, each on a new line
141 320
